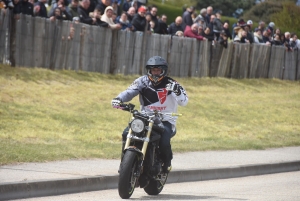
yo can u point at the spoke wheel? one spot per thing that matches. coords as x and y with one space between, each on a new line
127 177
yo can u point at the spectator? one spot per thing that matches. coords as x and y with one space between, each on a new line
192 32
236 27
40 9
24 7
200 30
102 5
208 34
126 5
217 26
209 12
73 8
271 26
141 3
282 38
201 18
266 37
130 13
287 45
293 41
276 41
163 24
244 38
179 34
124 22
249 37
152 26
139 21
84 14
134 4
65 14
226 30
97 16
250 31
56 14
261 26
223 39
277 31
9 4
176 26
148 20
153 13
116 8
107 17
257 36
187 16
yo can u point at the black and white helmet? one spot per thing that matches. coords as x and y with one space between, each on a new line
157 62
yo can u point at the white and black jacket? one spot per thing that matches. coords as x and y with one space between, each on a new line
155 97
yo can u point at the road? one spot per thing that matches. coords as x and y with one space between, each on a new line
273 187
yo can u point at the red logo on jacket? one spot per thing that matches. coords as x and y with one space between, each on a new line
162 95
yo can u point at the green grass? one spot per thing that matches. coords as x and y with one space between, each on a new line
55 115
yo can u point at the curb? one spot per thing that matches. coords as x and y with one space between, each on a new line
9 191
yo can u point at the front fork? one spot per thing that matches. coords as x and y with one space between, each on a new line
146 140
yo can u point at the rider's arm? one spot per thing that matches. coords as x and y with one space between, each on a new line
182 99
131 91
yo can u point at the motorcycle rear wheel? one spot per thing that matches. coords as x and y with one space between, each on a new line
156 186
127 178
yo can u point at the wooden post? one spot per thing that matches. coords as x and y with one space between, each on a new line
12 54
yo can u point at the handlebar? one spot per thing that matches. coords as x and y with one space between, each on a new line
130 108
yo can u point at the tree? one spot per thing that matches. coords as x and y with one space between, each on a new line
288 18
228 7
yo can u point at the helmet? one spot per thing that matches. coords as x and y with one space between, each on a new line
156 62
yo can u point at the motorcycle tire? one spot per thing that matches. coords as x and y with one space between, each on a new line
155 186
127 179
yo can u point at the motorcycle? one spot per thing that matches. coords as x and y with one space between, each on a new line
141 164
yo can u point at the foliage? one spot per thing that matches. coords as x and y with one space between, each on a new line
56 115
226 6
263 11
168 9
288 18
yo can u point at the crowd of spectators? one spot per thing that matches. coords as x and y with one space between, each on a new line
134 15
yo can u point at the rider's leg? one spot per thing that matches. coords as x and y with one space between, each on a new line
165 146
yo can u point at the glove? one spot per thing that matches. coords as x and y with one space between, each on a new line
116 102
175 87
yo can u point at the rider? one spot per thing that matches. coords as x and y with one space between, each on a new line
159 92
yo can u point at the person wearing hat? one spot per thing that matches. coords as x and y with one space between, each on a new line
237 26
107 17
249 35
139 20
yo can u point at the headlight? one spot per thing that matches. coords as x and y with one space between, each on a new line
137 125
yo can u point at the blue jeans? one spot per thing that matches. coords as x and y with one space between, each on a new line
165 141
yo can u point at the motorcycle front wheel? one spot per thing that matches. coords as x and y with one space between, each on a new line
127 176
155 186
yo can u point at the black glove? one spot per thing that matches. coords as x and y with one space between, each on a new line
175 87
116 102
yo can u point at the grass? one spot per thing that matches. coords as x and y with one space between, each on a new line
58 115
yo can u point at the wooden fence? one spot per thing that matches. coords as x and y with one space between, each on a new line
38 42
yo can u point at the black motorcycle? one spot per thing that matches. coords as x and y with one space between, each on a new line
141 165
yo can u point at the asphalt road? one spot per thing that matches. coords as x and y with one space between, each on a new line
272 187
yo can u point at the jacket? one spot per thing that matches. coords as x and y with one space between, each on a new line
108 20
173 28
155 97
139 23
